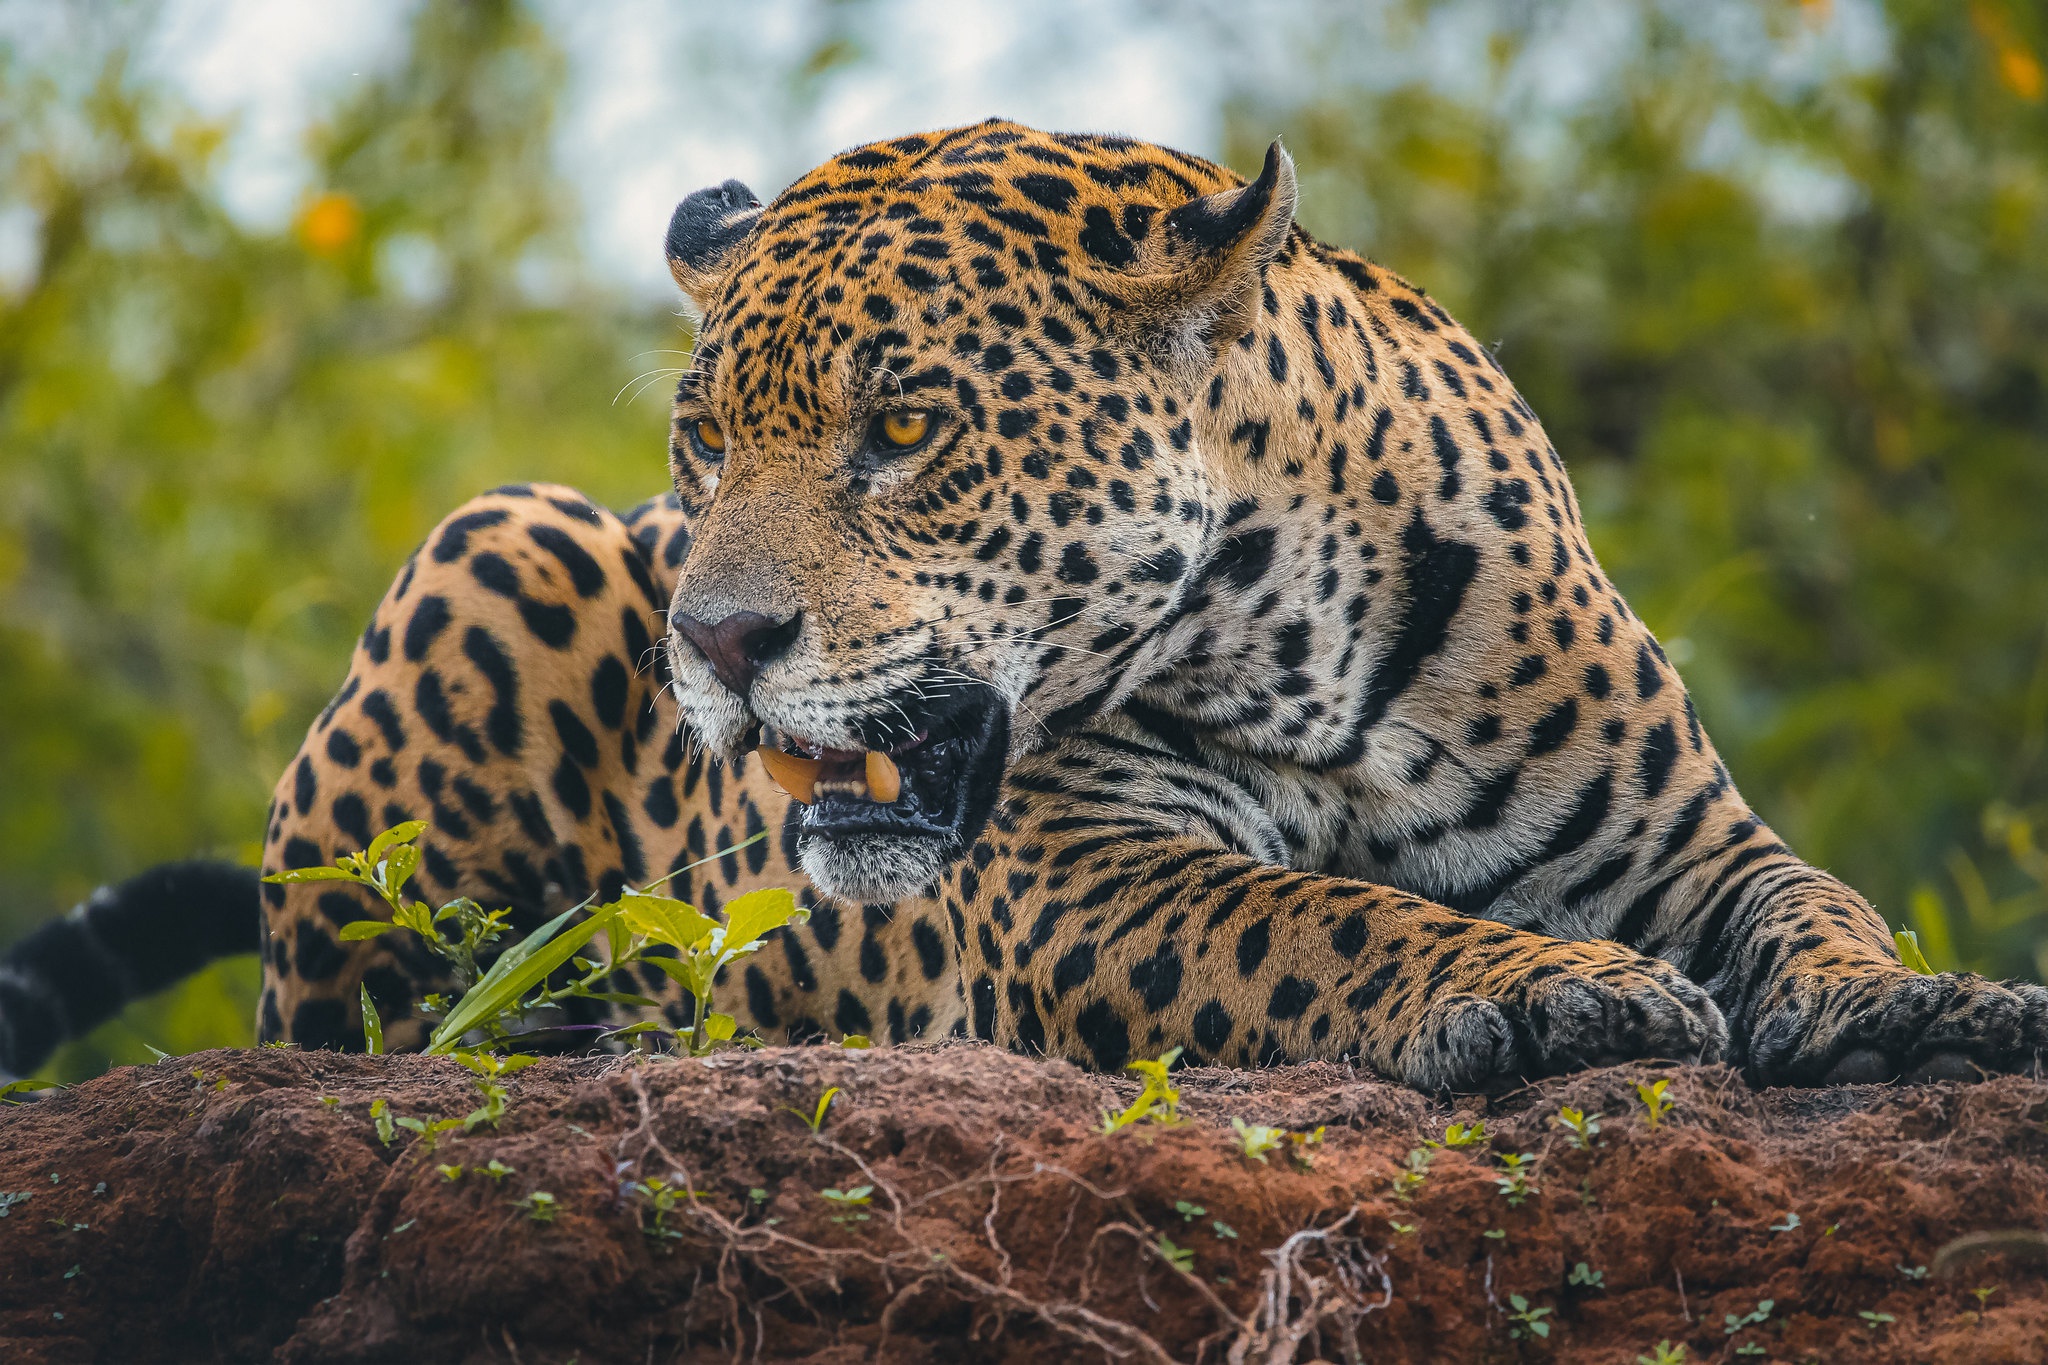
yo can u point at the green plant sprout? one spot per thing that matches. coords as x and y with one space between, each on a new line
1664 1353
495 1169
1908 944
1495 1234
1398 1226
450 1173
380 1117
9 1198
1579 1128
662 1196
1408 1180
1915 1273
852 1203
857 1042
1222 1229
1983 1296
1303 1141
1527 1321
1254 1140
1514 1181
1791 1222
1159 1101
1464 1134
1583 1274
538 1206
816 1119
1655 1100
1876 1321
639 927
1188 1212
1754 1318
1180 1258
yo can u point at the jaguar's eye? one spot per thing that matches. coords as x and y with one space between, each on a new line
902 430
710 436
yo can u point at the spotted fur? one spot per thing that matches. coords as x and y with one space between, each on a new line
1330 737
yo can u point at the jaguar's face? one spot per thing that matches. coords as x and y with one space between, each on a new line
942 496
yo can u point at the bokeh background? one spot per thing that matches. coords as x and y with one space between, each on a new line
282 282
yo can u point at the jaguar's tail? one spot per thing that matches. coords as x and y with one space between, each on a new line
127 941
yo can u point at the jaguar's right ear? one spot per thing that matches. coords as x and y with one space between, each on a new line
703 233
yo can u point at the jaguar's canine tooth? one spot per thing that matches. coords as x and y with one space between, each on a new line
797 776
885 779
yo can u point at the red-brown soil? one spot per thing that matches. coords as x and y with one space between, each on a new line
216 1207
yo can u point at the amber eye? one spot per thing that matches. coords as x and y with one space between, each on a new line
903 430
711 436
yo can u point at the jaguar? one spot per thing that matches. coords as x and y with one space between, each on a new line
1127 621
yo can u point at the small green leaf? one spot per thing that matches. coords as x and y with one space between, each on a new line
634 1030
397 834
665 920
856 1041
399 867
358 930
719 1027
373 1027
1908 944
312 874
756 913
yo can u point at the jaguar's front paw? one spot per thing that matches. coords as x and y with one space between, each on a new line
1891 1026
1599 1011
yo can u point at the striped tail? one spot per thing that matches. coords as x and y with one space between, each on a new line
126 942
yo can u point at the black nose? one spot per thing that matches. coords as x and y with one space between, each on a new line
741 645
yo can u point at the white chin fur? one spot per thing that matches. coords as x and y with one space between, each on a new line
874 869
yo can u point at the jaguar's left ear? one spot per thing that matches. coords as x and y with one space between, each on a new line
1215 248
703 234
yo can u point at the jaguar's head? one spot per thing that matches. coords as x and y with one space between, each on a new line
940 453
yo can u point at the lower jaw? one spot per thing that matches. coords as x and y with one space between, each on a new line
876 869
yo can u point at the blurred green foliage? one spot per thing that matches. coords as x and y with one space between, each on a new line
1786 328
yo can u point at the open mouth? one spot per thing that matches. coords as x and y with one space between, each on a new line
939 784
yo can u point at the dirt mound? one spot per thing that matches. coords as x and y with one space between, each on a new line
241 1205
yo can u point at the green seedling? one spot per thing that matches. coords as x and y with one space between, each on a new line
1915 1273
1495 1234
815 1120
380 1116
1159 1101
1527 1321
1752 1348
1180 1258
857 1042
1408 1180
1579 1128
1583 1274
488 1067
495 1169
1302 1142
1983 1296
662 1196
1756 1317
1908 944
1514 1181
427 1132
1222 1229
1254 1140
1664 1353
450 1173
1188 1212
1655 1100
539 1206
1791 1222
1465 1134
852 1204
1405 1229
1875 1321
